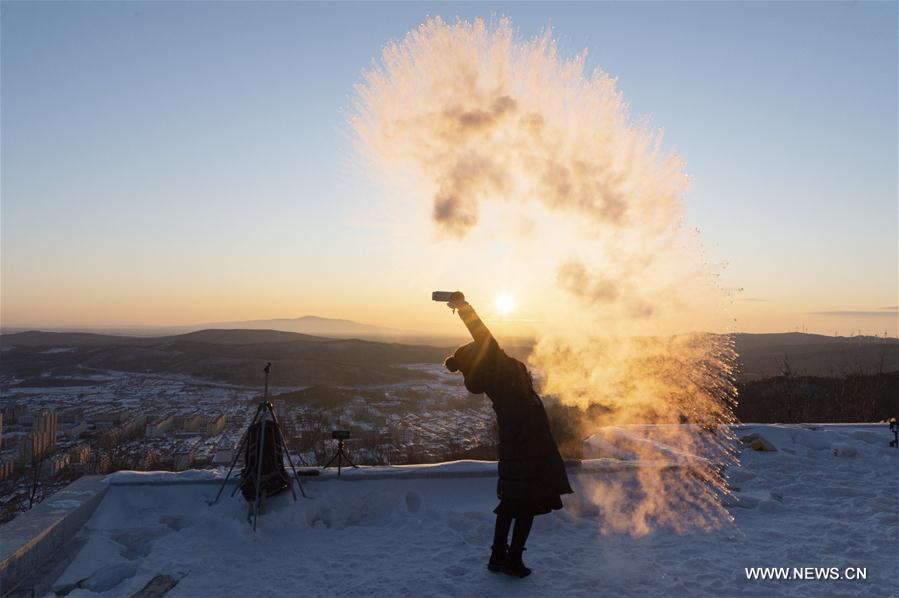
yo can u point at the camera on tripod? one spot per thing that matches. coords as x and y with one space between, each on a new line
341 455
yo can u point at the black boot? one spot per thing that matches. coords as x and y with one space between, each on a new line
497 558
514 565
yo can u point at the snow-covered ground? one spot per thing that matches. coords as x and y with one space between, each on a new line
827 498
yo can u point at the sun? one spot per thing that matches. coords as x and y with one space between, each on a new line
505 303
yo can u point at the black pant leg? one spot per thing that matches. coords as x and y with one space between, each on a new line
501 531
522 529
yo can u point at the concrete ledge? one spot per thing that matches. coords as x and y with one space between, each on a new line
34 538
411 475
452 470
449 470
347 476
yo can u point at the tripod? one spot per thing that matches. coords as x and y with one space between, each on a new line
263 411
340 455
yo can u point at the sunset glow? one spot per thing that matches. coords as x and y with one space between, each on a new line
505 304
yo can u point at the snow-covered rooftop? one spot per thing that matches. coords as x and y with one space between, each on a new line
826 498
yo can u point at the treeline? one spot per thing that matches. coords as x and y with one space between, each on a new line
791 398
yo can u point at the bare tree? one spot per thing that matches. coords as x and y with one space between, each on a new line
788 390
371 444
37 463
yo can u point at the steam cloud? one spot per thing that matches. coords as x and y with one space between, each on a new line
482 117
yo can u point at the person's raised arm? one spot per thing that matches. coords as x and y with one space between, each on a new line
479 331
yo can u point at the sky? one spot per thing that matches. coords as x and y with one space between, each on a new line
179 163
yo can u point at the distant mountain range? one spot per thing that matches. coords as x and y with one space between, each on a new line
311 325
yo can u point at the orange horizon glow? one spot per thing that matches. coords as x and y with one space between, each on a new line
401 313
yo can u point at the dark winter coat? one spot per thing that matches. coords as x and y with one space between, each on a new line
530 466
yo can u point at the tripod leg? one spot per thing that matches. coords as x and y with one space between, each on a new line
234 459
260 451
292 491
289 460
348 460
279 439
236 488
342 456
258 506
231 468
247 439
283 440
295 475
328 464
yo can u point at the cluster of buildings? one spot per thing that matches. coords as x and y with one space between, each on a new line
435 433
98 437
34 439
26 438
422 423
207 424
43 449
122 420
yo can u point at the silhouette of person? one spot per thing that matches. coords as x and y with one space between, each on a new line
531 471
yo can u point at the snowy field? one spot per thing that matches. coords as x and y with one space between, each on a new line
826 498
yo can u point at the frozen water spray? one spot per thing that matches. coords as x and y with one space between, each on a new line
488 123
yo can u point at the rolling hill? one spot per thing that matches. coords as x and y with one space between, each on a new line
234 356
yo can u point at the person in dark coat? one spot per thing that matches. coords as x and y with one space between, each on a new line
531 471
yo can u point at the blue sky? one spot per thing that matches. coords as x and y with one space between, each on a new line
155 155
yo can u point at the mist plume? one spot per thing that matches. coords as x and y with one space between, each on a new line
483 118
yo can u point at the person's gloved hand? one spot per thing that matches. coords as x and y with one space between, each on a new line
457 301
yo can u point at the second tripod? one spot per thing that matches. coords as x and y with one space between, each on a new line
340 436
